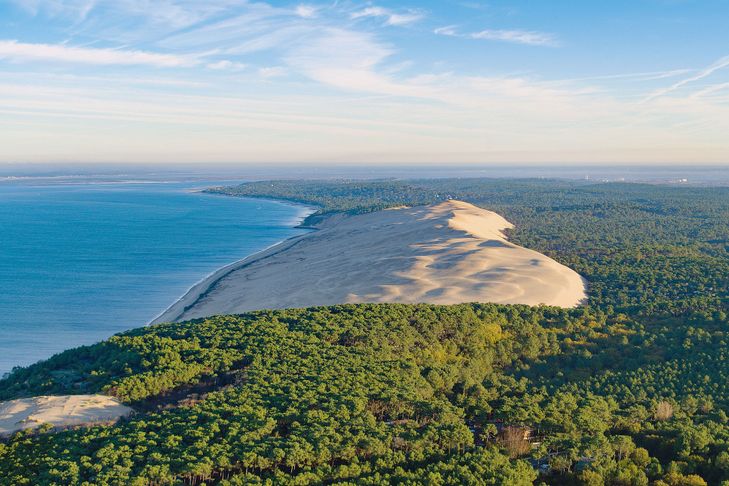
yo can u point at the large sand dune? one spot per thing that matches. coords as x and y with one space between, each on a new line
448 253
60 411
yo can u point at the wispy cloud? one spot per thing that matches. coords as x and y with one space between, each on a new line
449 30
390 17
641 76
701 74
272 72
359 62
21 52
78 9
710 90
307 11
259 26
174 13
226 65
342 58
516 36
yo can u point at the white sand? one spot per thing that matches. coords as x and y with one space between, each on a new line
448 253
60 411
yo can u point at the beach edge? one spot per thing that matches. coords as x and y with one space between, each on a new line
175 311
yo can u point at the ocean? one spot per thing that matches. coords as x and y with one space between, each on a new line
83 260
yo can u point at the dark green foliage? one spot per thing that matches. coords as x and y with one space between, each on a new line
315 392
349 196
379 394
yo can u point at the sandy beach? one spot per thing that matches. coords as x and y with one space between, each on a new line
448 253
59 411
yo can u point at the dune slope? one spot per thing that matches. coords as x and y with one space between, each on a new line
60 411
448 253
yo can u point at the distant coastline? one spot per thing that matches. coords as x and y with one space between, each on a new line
296 203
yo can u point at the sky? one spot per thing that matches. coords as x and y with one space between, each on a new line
345 82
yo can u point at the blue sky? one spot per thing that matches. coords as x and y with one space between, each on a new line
642 81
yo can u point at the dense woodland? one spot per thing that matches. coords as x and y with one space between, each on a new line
631 389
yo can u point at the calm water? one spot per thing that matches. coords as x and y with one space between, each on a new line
81 262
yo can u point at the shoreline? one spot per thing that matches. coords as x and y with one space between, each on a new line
288 202
199 289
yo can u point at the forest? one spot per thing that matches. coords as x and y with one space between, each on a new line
630 389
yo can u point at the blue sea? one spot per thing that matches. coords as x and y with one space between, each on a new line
83 260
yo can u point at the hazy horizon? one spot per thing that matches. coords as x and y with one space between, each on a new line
49 174
397 82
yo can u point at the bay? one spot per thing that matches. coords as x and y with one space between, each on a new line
80 262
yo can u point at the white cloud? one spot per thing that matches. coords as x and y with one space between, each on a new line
342 58
356 61
391 18
449 30
307 11
20 52
226 65
516 36
272 72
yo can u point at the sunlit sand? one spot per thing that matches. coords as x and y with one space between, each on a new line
59 411
448 253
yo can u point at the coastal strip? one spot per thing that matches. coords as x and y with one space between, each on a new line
204 285
199 291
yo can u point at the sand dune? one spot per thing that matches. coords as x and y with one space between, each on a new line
448 253
60 411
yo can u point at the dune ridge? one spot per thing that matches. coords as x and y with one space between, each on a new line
448 253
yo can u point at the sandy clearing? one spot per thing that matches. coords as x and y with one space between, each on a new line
60 411
448 253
